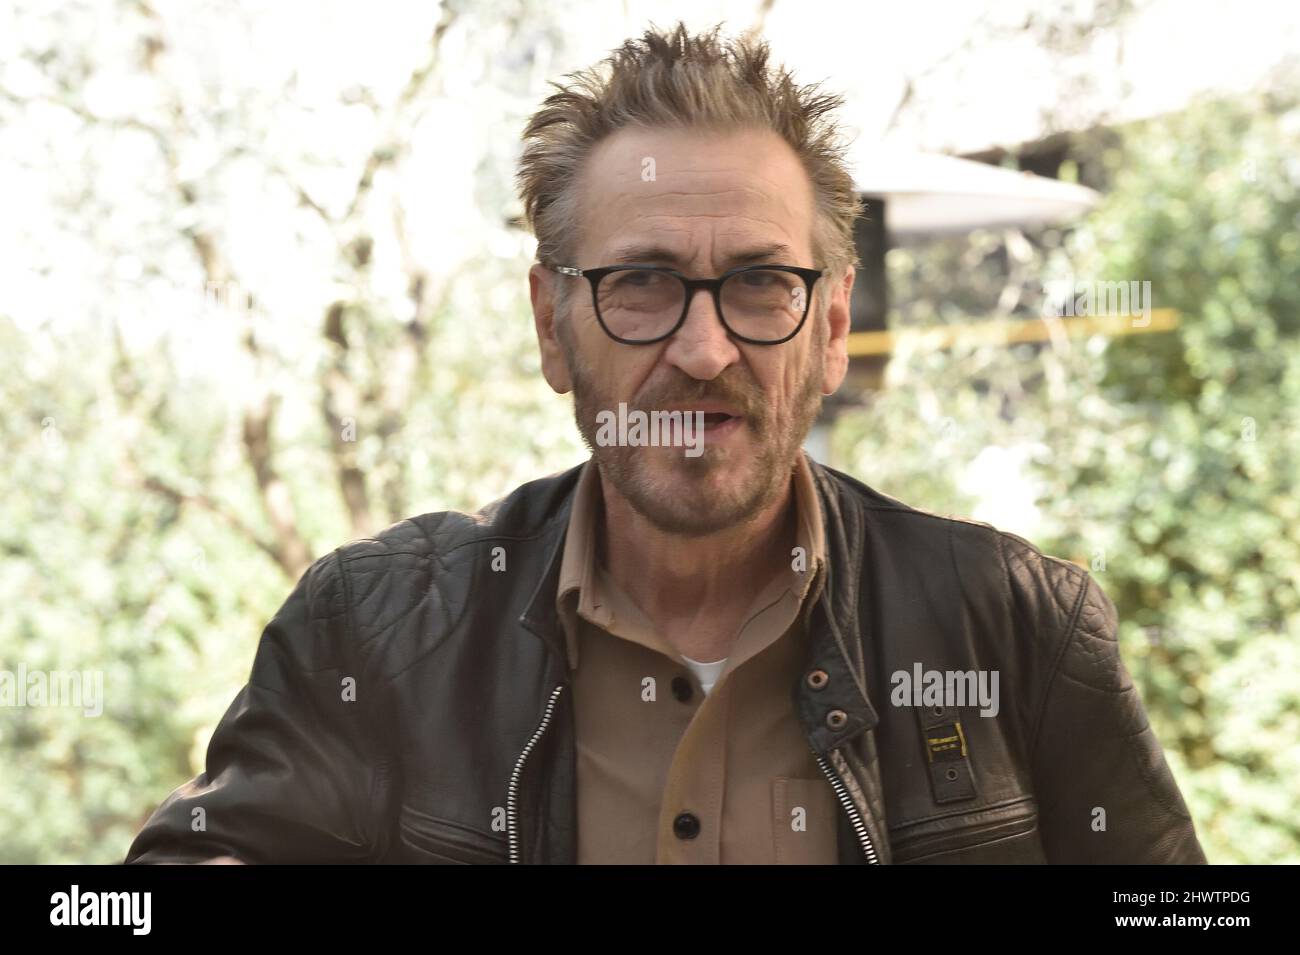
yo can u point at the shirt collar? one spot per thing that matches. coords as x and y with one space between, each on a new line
578 595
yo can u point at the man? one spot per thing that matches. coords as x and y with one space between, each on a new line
686 652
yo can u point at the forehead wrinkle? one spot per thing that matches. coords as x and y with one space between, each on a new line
679 193
731 222
674 220
730 238
735 197
740 231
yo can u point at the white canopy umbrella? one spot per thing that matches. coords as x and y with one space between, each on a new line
928 195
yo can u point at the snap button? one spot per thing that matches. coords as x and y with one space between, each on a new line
686 826
836 719
817 679
682 689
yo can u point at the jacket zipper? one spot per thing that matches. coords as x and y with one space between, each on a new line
855 817
512 793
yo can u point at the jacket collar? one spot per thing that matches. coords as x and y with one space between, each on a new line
541 616
834 618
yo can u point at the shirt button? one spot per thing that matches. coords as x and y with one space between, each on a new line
817 679
686 826
682 689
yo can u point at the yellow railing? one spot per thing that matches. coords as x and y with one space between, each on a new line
1007 332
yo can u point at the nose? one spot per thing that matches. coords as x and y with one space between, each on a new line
702 348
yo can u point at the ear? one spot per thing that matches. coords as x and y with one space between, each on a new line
555 368
835 360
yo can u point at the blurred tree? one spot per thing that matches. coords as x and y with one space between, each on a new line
1164 463
1193 500
237 330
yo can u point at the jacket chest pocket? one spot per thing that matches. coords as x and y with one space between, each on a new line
435 841
1001 834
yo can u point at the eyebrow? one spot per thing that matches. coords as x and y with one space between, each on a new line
654 254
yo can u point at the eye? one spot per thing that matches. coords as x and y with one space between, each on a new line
639 278
762 279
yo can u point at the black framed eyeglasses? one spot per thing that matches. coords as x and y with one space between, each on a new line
644 304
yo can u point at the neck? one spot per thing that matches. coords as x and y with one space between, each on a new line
695 589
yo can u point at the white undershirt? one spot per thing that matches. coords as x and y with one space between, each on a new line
706 673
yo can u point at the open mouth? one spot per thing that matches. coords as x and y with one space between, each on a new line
719 423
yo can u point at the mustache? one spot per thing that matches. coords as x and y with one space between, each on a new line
745 397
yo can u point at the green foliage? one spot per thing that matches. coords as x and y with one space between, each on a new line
166 599
141 537
1206 206
98 576
1165 463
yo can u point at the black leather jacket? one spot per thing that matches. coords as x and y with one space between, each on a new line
410 702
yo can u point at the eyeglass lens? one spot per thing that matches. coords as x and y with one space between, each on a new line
642 304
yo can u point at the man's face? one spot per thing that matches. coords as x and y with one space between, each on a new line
716 200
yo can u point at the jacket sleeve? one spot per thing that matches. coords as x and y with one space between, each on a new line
1105 791
293 772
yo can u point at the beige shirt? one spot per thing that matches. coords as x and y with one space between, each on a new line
667 774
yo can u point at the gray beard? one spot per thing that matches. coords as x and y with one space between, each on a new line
663 503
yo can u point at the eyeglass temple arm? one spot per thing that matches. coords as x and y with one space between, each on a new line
566 270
